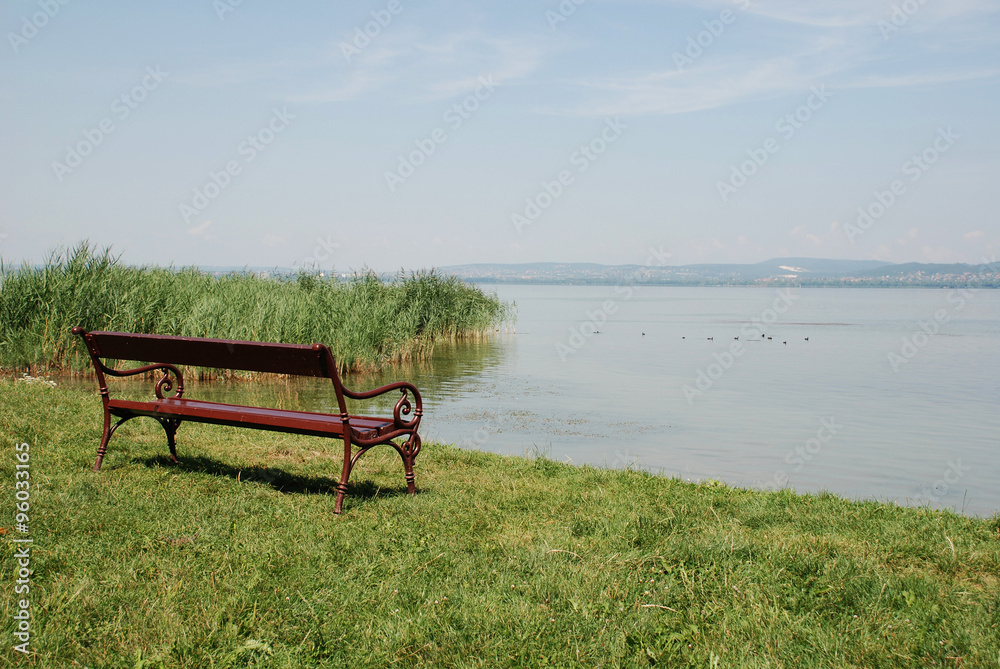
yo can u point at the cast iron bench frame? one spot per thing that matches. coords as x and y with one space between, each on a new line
167 353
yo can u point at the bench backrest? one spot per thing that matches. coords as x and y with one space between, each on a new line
297 359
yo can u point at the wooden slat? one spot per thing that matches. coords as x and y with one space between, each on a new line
281 420
298 359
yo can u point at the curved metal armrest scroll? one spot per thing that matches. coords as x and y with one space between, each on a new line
403 407
164 383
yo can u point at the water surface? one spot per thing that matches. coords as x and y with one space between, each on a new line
834 413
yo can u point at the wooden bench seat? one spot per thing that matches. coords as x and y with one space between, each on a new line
166 354
276 420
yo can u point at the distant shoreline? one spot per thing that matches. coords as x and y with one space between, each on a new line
777 272
745 284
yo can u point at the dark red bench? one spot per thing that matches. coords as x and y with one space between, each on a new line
165 354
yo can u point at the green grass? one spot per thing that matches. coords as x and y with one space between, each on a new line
235 559
368 323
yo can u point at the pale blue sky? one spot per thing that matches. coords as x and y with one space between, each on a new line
331 122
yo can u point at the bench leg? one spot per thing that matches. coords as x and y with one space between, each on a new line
408 452
411 481
345 474
341 493
109 430
170 426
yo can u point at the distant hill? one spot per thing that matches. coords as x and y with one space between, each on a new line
777 271
905 269
787 267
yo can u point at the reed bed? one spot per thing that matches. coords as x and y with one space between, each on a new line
368 323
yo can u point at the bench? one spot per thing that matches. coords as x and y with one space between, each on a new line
165 354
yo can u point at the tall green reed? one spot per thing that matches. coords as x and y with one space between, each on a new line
369 323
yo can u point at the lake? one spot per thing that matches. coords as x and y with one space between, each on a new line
886 394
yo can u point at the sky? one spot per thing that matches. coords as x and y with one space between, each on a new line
410 134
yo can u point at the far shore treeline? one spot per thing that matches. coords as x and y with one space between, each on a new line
368 323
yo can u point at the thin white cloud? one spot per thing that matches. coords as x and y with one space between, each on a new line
818 14
420 70
841 47
201 231
911 236
509 60
355 75
806 241
672 92
837 13
716 85
943 254
922 79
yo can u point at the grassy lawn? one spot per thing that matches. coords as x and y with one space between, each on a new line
235 559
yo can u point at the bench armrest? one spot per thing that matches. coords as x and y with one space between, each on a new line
402 408
165 383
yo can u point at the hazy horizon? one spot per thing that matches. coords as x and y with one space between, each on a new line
393 134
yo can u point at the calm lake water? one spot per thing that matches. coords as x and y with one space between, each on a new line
831 413
835 412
